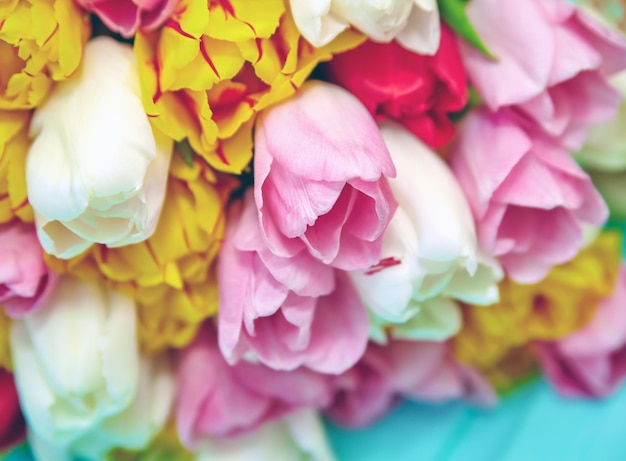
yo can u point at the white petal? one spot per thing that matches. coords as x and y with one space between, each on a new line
133 428
93 153
387 292
422 32
437 320
429 193
316 22
297 437
380 20
75 360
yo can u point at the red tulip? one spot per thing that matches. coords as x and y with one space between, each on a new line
12 424
415 90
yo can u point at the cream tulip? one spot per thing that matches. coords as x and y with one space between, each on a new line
414 23
76 359
430 252
96 171
299 436
132 429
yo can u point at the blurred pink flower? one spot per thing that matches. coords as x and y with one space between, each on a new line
319 178
554 75
418 370
591 362
216 399
125 17
286 312
25 280
528 196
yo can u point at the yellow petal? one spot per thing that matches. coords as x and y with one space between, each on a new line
560 304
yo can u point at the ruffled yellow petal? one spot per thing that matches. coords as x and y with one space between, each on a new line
239 20
41 41
561 303
171 274
14 145
285 60
208 73
165 446
5 345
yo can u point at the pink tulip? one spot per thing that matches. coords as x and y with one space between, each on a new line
287 312
320 168
125 17
554 74
215 399
418 370
528 196
591 362
25 280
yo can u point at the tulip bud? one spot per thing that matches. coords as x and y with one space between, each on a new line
76 359
430 249
414 23
96 171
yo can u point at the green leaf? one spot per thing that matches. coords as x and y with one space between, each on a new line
453 13
186 152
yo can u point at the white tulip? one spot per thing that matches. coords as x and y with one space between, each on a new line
297 437
96 171
132 429
414 23
82 384
430 251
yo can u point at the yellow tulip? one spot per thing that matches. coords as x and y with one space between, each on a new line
41 41
5 346
562 303
208 72
170 275
14 145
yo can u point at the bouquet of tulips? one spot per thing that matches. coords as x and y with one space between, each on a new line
222 219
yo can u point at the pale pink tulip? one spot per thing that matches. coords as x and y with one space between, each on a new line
418 370
320 168
215 399
591 362
25 280
528 196
286 312
553 73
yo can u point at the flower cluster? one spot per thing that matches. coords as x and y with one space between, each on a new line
220 219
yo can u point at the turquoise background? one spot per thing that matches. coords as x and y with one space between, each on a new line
534 424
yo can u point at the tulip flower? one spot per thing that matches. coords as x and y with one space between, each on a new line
591 362
430 250
76 359
299 435
286 312
132 429
218 400
419 92
529 198
320 178
414 23
95 171
40 43
555 76
25 280
417 370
